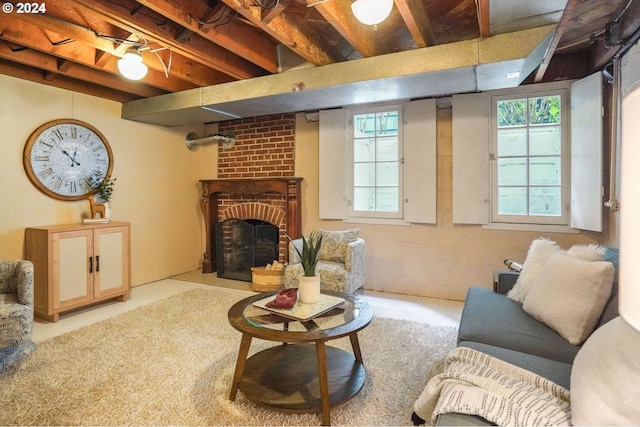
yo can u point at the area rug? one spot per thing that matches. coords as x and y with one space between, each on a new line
171 363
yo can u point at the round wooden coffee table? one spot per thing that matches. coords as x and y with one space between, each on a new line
303 374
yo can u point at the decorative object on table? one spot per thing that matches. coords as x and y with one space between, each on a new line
103 185
309 283
300 311
284 299
61 157
268 278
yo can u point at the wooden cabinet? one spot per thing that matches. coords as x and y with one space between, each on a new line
77 265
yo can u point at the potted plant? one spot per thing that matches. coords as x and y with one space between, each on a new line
104 190
309 283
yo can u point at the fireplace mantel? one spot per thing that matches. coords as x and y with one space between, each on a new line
243 188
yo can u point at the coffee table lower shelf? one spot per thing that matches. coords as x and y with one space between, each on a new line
285 378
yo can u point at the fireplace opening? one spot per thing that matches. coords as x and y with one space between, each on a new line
242 244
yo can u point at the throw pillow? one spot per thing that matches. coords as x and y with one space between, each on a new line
334 244
588 252
569 295
539 252
605 377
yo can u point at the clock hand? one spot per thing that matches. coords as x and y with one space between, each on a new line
73 160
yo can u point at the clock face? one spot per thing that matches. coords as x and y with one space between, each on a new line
64 158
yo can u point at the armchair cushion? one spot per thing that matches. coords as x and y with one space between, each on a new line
334 244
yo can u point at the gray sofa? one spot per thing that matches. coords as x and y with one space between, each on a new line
496 325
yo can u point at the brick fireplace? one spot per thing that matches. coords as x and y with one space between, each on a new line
255 185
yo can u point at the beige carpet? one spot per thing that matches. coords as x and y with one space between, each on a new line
171 363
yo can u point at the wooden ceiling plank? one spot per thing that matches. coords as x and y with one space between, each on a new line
197 49
269 15
567 14
14 30
417 22
601 52
291 32
362 37
243 40
52 69
26 73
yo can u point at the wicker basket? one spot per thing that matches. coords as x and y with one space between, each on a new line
266 280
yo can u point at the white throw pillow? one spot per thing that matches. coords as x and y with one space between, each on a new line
588 252
539 252
570 294
605 377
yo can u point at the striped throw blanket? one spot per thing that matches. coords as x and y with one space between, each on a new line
475 383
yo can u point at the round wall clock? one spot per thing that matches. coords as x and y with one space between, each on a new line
66 159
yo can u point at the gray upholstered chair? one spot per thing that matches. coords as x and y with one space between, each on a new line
340 262
16 311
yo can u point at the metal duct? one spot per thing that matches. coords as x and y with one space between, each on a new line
193 141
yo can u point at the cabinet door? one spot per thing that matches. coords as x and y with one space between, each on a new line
71 263
111 254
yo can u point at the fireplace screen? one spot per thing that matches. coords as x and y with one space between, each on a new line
242 244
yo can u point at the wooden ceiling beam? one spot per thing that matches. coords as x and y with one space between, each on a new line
602 51
22 33
417 22
52 69
235 36
35 75
484 22
270 14
197 49
289 30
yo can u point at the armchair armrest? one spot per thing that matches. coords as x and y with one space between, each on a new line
504 281
24 282
355 254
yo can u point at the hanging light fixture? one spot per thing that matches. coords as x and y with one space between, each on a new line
131 65
371 12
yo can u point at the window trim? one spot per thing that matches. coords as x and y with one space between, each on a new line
523 220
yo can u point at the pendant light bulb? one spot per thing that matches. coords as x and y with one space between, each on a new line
371 12
131 65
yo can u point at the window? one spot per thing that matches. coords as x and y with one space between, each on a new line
377 163
530 161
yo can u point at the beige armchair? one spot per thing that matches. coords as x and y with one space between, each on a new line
16 311
340 265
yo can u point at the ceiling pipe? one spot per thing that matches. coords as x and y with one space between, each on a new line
226 138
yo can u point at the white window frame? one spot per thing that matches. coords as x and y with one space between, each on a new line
352 213
565 193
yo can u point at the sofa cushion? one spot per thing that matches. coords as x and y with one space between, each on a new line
605 377
334 244
570 294
496 320
539 252
558 372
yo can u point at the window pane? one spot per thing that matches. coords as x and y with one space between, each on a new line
512 200
364 125
387 149
512 113
512 171
544 201
387 174
363 150
387 199
512 142
364 174
364 199
387 123
544 171
544 140
544 110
